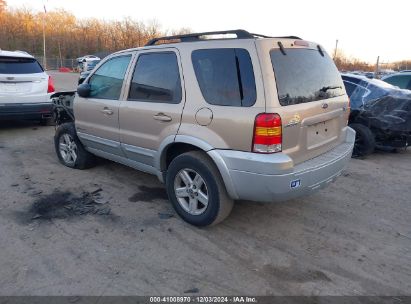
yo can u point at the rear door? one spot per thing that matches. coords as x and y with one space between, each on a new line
313 102
154 104
97 116
21 79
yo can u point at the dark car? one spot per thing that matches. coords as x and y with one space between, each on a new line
380 114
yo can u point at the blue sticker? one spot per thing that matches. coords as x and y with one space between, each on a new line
295 183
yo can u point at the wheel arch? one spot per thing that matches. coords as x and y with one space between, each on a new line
174 146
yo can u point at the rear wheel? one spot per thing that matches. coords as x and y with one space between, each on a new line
364 140
196 189
70 150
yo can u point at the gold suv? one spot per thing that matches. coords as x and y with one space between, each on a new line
217 116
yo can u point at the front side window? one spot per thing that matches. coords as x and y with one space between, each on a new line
107 81
156 78
225 76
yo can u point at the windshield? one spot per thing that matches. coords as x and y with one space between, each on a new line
15 65
304 75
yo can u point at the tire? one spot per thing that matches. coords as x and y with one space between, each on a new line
66 135
364 140
211 185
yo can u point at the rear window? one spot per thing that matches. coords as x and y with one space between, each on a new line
15 65
225 76
304 75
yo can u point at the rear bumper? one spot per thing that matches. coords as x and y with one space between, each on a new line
10 111
270 178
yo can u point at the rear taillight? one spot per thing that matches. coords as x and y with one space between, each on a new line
267 133
50 86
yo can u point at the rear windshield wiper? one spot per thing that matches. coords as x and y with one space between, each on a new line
325 89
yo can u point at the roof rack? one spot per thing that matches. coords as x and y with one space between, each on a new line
279 37
241 34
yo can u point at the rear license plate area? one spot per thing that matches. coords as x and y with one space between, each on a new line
322 133
9 87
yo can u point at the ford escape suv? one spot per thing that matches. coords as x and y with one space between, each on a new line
25 88
217 116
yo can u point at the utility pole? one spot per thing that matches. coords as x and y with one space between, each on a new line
335 50
61 59
377 68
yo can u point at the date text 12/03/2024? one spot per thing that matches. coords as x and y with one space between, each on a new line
204 299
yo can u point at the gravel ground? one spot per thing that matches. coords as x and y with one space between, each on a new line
110 230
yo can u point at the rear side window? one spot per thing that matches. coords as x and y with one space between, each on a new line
401 81
304 75
349 87
107 81
225 76
156 78
15 65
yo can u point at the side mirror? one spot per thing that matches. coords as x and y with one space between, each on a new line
84 90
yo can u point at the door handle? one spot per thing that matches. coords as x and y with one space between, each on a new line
107 111
162 117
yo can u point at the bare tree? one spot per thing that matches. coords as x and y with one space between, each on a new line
22 29
3 5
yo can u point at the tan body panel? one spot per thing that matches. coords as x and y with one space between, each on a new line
316 142
141 123
99 129
231 127
220 127
310 116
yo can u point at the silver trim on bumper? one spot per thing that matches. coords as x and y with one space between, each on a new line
268 178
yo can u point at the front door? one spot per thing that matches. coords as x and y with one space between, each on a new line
154 104
97 116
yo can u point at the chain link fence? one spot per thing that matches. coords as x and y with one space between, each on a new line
55 63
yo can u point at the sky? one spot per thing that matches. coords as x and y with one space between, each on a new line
365 29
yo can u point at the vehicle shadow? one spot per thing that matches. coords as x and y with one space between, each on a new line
19 124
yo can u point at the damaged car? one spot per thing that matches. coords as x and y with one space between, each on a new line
380 114
195 113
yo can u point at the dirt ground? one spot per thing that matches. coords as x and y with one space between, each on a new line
352 238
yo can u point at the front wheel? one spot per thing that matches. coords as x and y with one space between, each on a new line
70 150
196 189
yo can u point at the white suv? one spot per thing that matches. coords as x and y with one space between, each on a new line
25 88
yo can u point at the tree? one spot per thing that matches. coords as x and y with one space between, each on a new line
3 5
21 29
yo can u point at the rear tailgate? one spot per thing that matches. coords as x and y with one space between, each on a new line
21 77
310 97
